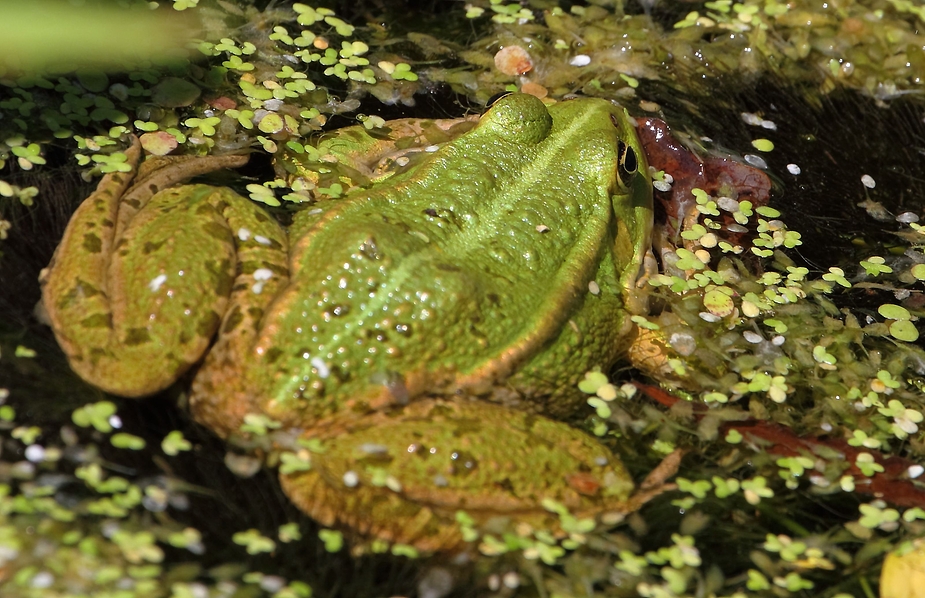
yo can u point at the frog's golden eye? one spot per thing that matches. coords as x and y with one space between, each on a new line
628 158
491 101
628 163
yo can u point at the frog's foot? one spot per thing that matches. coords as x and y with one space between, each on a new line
650 352
407 476
143 275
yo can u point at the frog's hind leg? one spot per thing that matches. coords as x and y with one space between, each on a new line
407 475
133 312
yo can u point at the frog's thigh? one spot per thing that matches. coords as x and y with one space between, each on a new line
403 477
167 287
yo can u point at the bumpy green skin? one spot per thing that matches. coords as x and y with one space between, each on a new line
447 308
140 281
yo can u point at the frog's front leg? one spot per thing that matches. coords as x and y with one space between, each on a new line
144 275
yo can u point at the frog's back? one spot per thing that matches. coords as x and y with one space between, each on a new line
488 269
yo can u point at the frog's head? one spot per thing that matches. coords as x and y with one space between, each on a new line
592 144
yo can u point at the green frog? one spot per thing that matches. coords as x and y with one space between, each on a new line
426 331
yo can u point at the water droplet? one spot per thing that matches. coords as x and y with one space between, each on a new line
371 448
157 282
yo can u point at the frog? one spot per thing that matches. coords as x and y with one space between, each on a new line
418 340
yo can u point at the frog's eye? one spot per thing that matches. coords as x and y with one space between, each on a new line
628 158
628 162
491 101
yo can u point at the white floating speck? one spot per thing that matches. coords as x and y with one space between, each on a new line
819 481
261 275
683 342
727 204
915 471
907 217
868 181
907 426
511 580
580 60
542 228
268 583
794 169
374 448
274 104
244 234
35 453
156 282
323 370
594 288
42 580
752 337
756 161
262 240
351 479
750 118
662 186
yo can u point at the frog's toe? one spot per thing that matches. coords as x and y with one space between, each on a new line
405 477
